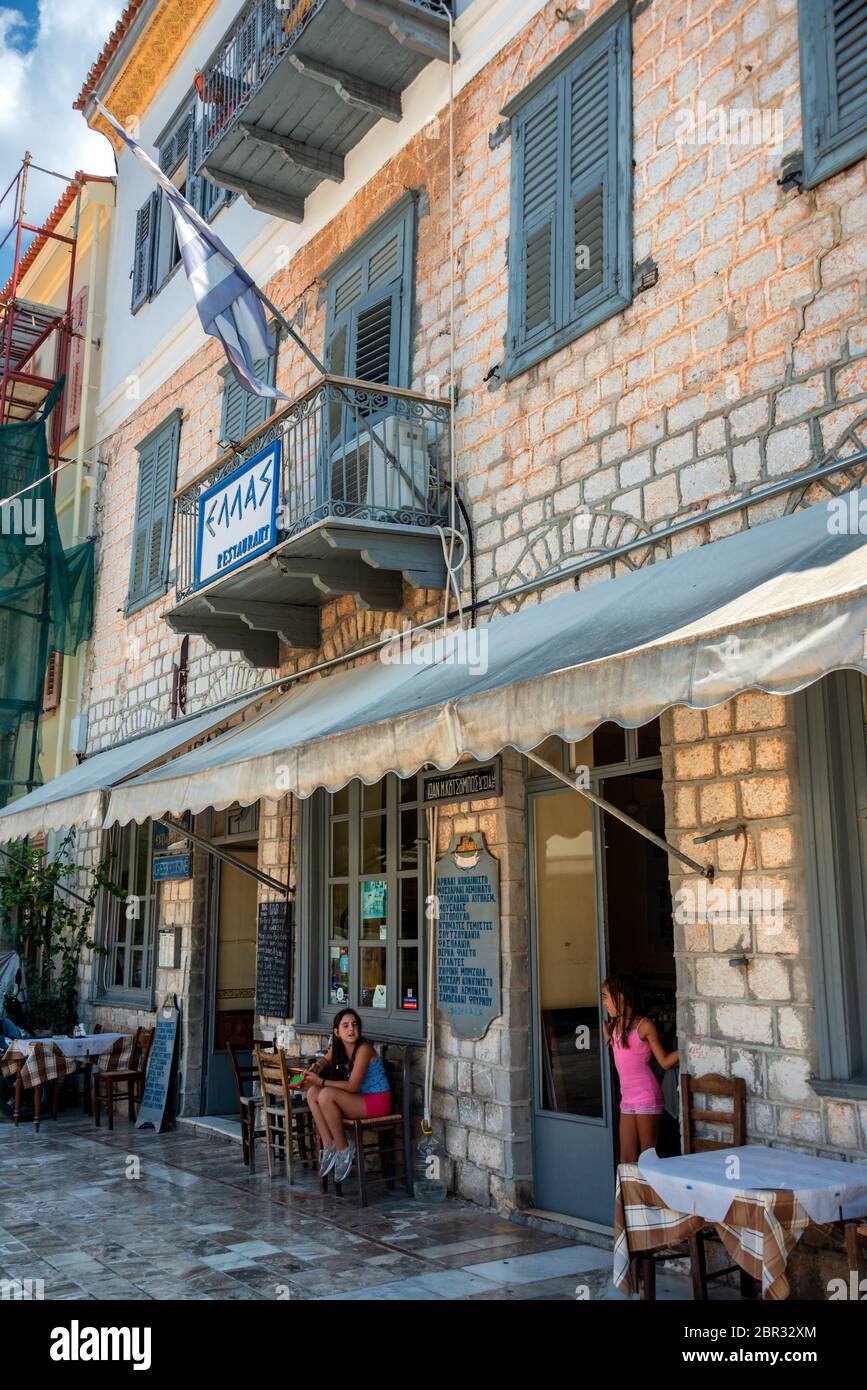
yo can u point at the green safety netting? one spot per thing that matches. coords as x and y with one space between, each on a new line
46 595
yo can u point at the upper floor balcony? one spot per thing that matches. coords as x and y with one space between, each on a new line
340 493
293 87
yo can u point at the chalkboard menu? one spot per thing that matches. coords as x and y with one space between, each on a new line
468 936
160 1065
274 959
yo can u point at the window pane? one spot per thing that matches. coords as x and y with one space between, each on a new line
409 978
408 789
409 908
141 859
374 909
609 744
648 740
373 798
340 912
340 802
135 981
373 992
138 927
338 992
119 963
552 751
408 837
340 848
374 841
570 1040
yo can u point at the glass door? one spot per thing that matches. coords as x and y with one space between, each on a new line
572 1108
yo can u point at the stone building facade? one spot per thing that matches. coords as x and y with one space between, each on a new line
740 361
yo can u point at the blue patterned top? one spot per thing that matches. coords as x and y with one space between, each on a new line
375 1079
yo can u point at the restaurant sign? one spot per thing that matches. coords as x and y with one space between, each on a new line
161 1064
468 936
238 516
470 782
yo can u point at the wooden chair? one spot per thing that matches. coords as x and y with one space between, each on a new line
735 1120
391 1132
287 1118
246 1076
109 1084
692 1114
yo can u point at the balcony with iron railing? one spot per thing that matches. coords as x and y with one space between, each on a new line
340 493
292 88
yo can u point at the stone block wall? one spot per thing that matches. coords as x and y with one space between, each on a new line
745 1000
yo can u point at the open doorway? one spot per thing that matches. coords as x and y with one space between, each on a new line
640 928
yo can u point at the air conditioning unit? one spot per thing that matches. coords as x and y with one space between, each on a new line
386 464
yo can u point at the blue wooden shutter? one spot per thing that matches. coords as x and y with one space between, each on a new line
364 338
540 184
146 222
154 509
242 410
833 50
591 270
848 54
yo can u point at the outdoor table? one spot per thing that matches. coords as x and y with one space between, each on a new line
45 1064
759 1205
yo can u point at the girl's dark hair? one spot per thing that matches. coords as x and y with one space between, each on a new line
627 997
340 1064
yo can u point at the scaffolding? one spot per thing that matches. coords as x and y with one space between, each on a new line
30 331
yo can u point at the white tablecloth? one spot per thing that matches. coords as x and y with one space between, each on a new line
92 1045
705 1184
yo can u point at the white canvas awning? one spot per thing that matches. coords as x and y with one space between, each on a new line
773 608
79 796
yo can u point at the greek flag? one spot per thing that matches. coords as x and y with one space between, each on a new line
226 297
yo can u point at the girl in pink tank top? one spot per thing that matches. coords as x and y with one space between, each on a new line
633 1039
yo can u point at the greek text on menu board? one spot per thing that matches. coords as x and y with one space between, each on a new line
468 946
152 1110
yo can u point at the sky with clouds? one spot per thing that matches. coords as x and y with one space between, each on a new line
46 50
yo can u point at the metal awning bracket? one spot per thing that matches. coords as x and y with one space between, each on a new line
219 853
576 784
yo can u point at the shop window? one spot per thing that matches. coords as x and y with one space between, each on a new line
362 917
127 928
832 761
570 239
154 509
833 47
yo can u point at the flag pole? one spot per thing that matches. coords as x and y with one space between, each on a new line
293 333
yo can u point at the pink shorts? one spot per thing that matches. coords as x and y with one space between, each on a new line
377 1103
648 1109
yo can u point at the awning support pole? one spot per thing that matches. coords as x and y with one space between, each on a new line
227 858
706 870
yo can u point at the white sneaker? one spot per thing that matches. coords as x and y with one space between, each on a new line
345 1160
327 1160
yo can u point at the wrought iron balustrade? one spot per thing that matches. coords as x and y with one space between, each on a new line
353 451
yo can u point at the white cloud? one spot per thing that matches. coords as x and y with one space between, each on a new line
44 63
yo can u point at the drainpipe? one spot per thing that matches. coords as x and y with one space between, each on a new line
69 703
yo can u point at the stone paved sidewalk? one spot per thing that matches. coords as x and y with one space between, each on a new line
194 1224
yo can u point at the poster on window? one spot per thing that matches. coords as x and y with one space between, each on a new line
374 900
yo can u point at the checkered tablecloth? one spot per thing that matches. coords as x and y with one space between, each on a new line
44 1061
759 1232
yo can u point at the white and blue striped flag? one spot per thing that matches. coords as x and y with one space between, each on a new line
226 297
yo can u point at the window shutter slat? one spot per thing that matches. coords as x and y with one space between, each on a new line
234 409
153 514
849 56
373 345
143 251
541 175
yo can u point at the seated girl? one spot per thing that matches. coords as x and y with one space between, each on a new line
349 1081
